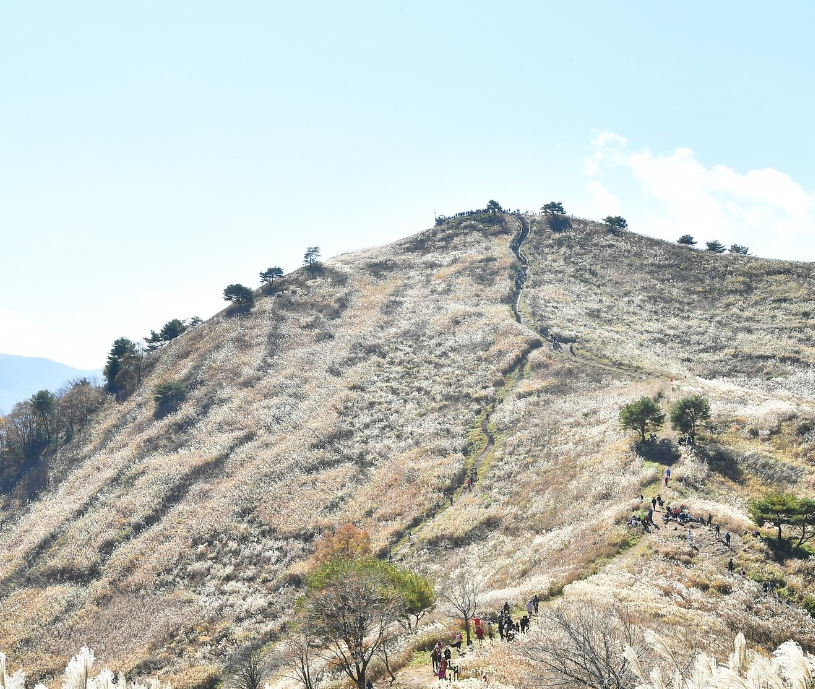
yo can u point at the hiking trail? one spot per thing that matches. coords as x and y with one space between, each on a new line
510 378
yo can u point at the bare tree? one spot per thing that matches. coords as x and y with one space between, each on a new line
251 669
461 592
350 613
580 644
305 661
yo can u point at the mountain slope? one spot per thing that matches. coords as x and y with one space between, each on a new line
347 396
365 390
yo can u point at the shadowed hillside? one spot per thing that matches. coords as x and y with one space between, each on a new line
363 391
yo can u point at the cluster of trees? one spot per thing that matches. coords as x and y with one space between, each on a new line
42 423
243 297
786 510
645 416
352 605
714 245
169 331
124 367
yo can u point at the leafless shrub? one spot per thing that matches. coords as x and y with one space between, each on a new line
581 644
461 593
250 669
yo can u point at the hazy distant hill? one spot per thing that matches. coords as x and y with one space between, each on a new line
366 389
22 376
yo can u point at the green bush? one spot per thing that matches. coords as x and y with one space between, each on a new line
168 397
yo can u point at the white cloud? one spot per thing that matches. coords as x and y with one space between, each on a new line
602 200
764 209
606 145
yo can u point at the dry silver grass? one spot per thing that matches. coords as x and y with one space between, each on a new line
788 668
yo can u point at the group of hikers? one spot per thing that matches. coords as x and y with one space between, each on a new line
682 516
441 657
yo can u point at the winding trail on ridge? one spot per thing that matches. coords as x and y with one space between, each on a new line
402 548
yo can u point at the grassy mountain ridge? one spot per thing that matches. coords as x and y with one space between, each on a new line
357 393
346 396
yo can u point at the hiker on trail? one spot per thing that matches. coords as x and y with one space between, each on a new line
524 624
709 518
479 634
731 566
653 503
660 501
442 674
571 349
369 684
690 538
530 607
457 642
666 481
743 573
501 627
667 473
718 530
506 608
448 654
535 602
435 657
727 538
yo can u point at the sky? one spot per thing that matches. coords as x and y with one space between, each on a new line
152 153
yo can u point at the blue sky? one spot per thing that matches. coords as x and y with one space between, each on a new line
152 153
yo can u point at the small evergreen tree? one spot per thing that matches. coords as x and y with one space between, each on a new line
556 216
168 397
715 246
121 352
311 256
239 295
494 207
689 413
553 208
615 223
269 275
687 240
44 404
643 416
739 249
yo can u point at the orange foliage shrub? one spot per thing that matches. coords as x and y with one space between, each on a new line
346 543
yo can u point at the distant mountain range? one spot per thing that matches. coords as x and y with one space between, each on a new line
22 376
